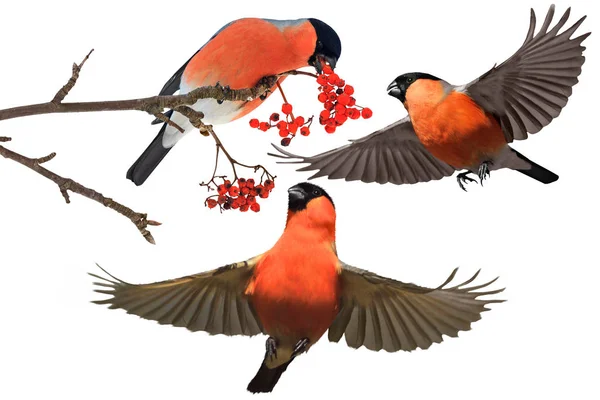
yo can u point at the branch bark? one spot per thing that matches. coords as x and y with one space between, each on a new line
65 185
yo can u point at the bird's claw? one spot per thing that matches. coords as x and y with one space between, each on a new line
484 171
463 178
271 347
300 347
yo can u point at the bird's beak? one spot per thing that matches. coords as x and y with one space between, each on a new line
394 91
296 193
319 60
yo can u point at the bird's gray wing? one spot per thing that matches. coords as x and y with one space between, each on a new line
382 313
172 85
527 91
393 154
212 301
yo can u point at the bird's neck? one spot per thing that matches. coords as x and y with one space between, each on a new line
310 226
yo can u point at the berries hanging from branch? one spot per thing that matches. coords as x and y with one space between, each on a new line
338 102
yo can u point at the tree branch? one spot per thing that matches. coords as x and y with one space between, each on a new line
66 184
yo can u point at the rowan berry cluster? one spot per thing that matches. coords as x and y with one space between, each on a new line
243 196
338 103
288 128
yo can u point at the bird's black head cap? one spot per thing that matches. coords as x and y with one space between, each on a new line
301 194
328 46
401 84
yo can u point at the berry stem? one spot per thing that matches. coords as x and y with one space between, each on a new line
284 98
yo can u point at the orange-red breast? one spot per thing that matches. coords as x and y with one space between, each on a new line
298 290
238 56
452 127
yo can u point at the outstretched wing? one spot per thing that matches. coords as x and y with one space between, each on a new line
527 91
381 313
212 301
393 154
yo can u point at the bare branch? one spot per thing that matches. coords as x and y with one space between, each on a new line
66 184
64 91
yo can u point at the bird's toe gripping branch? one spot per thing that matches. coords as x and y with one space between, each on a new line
271 348
300 347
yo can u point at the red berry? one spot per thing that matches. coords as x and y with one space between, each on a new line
324 114
255 207
221 189
322 79
281 125
340 109
264 126
305 131
353 113
269 184
327 89
235 205
264 194
293 127
344 99
367 113
322 97
222 200
250 183
254 123
242 182
349 90
234 191
244 208
329 128
340 83
286 108
241 200
332 96
211 203
299 121
329 105
244 191
340 118
251 199
327 69
283 132
352 102
286 141
274 117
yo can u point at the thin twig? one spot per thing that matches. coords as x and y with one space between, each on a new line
64 91
66 184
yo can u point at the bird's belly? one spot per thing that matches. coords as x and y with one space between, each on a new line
295 303
459 133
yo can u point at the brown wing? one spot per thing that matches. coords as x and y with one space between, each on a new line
529 90
381 313
393 154
212 301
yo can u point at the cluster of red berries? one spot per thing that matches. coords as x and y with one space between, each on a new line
243 196
337 100
288 127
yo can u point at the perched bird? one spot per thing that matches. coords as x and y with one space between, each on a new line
452 127
238 56
299 289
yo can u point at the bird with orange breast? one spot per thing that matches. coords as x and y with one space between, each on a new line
298 290
466 127
238 56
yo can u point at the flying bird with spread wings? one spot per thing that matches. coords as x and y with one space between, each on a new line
465 127
298 290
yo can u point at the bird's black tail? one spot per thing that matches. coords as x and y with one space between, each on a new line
536 171
266 378
149 160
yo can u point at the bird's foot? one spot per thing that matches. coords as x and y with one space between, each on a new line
300 347
463 179
484 171
269 82
225 89
271 346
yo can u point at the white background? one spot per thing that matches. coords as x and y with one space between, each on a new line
542 240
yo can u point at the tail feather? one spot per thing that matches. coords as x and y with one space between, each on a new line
149 160
536 171
266 378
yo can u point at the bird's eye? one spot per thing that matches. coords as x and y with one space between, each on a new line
319 45
409 80
316 192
